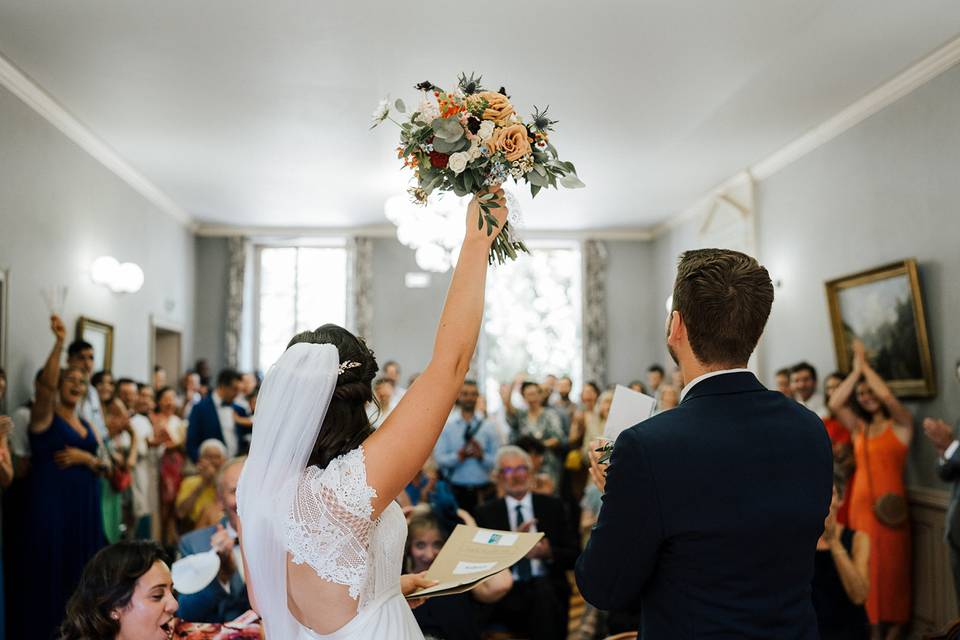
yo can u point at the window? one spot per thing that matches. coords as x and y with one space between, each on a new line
298 288
533 317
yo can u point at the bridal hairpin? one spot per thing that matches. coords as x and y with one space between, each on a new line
347 365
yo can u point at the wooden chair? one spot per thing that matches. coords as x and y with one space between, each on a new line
627 635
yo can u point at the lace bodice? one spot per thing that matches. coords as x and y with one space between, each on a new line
329 528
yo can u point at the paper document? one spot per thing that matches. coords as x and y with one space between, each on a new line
628 408
471 555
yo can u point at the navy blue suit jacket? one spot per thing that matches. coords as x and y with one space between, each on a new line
204 423
711 516
213 603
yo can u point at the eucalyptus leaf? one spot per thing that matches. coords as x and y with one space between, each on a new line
448 129
571 181
444 146
486 196
539 169
401 107
535 178
534 190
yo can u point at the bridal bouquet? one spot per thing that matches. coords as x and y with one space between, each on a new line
470 139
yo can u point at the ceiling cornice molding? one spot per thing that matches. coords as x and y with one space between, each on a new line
390 231
883 96
53 112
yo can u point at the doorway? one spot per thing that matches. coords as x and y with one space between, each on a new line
167 350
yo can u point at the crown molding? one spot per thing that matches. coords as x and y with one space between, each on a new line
53 112
883 96
390 231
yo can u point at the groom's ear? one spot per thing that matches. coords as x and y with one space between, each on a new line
675 326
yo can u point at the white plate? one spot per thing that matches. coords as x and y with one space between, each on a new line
193 573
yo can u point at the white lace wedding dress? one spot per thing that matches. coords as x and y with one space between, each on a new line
316 517
329 528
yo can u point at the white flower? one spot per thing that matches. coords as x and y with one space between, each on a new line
458 162
474 151
429 109
381 113
486 130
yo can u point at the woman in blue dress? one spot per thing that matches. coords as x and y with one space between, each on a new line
64 522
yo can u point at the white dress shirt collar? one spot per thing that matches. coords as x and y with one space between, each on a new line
709 374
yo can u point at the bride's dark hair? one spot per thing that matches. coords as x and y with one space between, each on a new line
346 425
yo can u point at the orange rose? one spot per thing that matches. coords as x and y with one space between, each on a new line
512 141
498 107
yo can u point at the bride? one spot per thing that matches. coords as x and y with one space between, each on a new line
322 537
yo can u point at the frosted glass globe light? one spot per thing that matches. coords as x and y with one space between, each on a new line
104 270
129 279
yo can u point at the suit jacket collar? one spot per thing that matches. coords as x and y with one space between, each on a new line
727 383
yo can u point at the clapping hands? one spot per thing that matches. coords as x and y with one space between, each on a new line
939 433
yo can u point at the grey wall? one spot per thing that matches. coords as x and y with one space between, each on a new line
633 299
59 210
883 191
210 305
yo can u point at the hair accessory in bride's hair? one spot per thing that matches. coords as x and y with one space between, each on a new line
347 365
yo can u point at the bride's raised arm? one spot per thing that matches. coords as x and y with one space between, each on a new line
398 449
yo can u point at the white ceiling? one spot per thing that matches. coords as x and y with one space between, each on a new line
256 113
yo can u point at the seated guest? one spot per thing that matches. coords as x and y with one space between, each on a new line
127 593
841 579
63 522
537 604
466 449
197 499
215 416
226 597
542 482
450 617
541 423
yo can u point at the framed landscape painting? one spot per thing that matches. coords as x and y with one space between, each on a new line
883 307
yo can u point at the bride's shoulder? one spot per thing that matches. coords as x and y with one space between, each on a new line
345 477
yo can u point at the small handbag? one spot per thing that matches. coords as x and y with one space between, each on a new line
890 509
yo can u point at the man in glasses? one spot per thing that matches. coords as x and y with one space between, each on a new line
537 604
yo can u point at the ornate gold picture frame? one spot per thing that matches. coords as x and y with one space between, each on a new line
884 308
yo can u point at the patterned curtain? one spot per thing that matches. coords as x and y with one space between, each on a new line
595 311
236 271
360 287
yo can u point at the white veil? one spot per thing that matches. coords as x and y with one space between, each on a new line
293 401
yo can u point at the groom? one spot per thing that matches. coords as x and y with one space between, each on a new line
712 510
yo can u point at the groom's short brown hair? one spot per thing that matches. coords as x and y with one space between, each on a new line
724 298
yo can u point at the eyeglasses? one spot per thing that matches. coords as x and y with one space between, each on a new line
520 470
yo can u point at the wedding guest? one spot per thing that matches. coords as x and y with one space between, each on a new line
543 482
654 378
429 489
676 379
841 579
391 371
466 450
225 598
171 431
563 404
248 382
196 503
64 519
582 426
783 382
129 392
215 416
159 378
20 436
121 449
537 604
803 386
542 424
146 472
102 381
383 394
596 425
668 399
638 386
450 617
948 449
80 357
202 367
843 460
191 393
125 592
882 430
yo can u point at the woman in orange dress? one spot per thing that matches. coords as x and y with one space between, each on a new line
882 430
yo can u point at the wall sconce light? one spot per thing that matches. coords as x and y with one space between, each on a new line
119 278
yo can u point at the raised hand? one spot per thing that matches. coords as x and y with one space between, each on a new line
58 328
495 202
6 426
859 355
939 433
